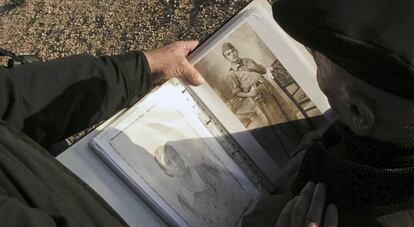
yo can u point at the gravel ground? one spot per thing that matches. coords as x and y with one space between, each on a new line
58 28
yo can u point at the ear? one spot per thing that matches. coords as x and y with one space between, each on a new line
362 116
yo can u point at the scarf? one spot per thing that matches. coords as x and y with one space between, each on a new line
360 174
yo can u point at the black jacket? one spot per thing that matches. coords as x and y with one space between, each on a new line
43 103
371 182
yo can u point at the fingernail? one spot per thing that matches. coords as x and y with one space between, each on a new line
312 225
310 184
200 80
194 42
321 186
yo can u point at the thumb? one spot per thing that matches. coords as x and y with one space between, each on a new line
189 46
191 75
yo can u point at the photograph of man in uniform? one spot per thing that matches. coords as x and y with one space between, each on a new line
244 73
205 191
255 98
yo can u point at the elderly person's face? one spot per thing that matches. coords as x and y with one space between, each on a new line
346 95
231 55
330 83
336 83
368 111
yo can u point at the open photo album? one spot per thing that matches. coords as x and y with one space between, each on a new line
203 156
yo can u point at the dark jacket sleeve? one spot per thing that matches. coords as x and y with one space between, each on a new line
52 100
16 214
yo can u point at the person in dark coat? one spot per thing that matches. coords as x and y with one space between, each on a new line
364 51
43 103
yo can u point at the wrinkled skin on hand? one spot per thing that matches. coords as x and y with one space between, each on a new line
170 61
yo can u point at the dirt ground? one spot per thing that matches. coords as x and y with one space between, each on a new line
57 28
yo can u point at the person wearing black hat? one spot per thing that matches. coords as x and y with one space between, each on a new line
365 57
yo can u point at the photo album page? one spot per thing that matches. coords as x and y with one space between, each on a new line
203 156
261 86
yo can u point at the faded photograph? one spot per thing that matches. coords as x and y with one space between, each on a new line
202 187
259 91
181 169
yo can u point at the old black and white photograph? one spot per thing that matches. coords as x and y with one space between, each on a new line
181 169
259 91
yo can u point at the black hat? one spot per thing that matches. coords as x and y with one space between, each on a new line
371 39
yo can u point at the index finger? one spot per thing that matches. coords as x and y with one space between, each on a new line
284 217
302 205
315 212
331 216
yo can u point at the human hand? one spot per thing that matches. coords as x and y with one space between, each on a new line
308 209
170 61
